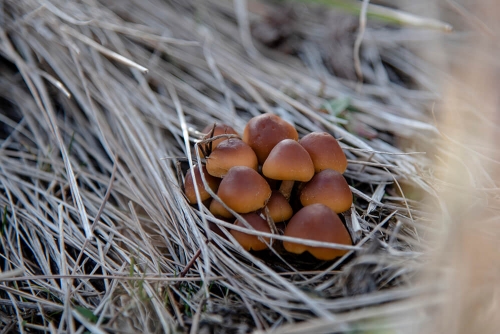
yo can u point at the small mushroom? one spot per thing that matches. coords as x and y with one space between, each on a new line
189 191
263 132
288 162
249 241
317 222
279 208
230 153
330 188
211 131
244 190
325 151
218 210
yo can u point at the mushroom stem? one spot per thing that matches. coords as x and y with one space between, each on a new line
286 188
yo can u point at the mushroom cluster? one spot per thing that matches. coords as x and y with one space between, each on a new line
269 177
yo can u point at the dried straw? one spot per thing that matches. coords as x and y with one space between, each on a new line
102 106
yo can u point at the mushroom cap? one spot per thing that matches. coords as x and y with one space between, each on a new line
325 151
217 209
330 188
279 208
263 132
249 241
213 183
229 153
288 161
317 222
244 190
220 129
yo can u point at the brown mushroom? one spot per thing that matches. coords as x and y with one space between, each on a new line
317 222
289 162
330 188
325 151
244 190
213 183
250 241
279 208
230 153
218 210
263 132
211 131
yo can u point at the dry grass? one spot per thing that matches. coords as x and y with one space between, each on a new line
96 233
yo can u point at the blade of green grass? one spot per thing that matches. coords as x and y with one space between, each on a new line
385 14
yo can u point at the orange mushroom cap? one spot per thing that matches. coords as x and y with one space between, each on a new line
213 183
330 188
288 161
325 151
218 210
229 153
244 190
317 222
279 208
219 129
263 132
249 241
